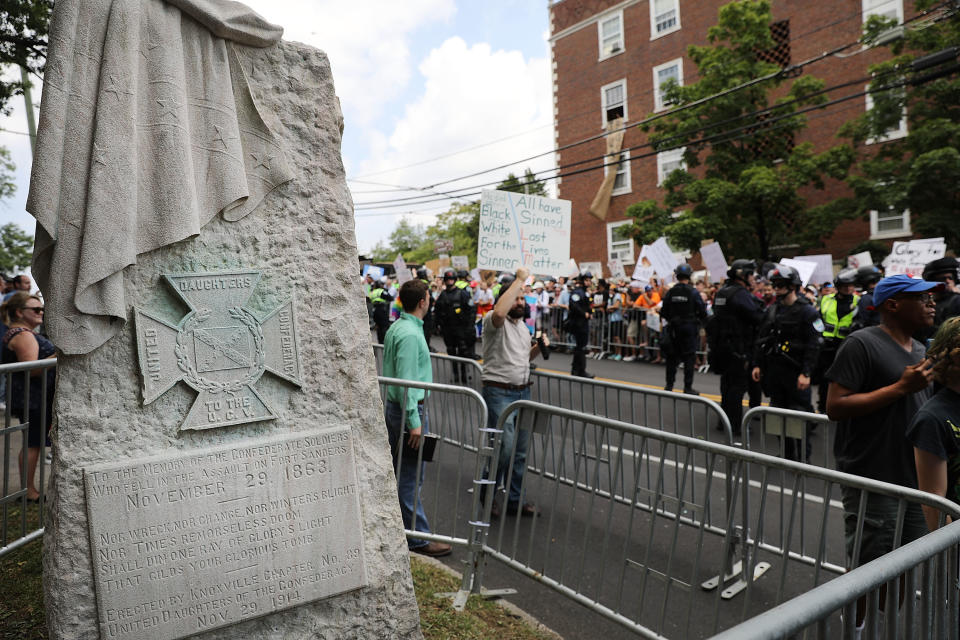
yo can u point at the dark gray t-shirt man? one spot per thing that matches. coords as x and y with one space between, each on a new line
875 445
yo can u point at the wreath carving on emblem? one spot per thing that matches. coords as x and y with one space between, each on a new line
193 377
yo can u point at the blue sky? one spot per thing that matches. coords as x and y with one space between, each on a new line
417 80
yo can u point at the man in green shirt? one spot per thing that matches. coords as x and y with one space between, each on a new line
406 356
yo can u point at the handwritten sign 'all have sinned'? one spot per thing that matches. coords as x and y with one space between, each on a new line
517 229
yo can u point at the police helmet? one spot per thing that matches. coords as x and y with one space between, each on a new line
846 276
506 280
422 273
449 274
741 269
462 274
946 266
783 273
868 274
683 271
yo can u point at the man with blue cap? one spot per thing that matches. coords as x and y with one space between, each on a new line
878 382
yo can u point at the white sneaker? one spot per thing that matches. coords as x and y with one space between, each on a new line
48 459
629 358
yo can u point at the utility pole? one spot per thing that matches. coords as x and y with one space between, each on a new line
28 101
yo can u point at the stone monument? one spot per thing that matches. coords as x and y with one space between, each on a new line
222 468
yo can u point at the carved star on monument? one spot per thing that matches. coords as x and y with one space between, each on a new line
79 322
100 155
219 348
170 106
262 160
114 87
220 137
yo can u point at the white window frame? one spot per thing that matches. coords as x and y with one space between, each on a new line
620 46
877 234
622 248
892 134
892 8
664 157
657 98
654 33
623 169
603 101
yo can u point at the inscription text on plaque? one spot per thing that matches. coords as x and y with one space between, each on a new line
188 543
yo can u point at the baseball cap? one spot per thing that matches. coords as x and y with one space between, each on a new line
901 283
636 284
538 285
648 288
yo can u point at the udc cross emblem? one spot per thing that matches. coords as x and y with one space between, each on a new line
219 348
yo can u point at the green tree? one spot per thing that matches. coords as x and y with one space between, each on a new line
746 193
921 171
23 42
461 223
16 249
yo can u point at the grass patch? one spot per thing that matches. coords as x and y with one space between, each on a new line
482 619
21 573
22 617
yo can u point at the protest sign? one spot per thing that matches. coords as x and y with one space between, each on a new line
713 260
617 271
443 245
400 266
662 259
460 262
805 268
595 269
643 270
518 229
374 272
910 257
824 271
475 275
573 270
857 260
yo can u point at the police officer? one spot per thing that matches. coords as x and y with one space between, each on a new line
380 300
867 278
469 337
732 331
683 309
578 323
454 312
944 270
427 319
837 311
786 350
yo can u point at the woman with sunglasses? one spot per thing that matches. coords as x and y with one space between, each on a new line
23 313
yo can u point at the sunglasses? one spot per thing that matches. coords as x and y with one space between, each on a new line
922 298
34 309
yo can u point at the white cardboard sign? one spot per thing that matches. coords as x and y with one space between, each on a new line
824 271
662 259
595 269
804 268
862 259
910 257
617 272
713 260
518 229
400 266
460 262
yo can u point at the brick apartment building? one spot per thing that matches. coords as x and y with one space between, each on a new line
609 58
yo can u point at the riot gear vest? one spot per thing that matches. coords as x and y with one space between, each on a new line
679 304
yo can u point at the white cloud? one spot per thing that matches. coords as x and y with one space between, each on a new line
368 44
472 96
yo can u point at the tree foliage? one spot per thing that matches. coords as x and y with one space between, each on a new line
16 249
743 172
921 171
23 42
460 223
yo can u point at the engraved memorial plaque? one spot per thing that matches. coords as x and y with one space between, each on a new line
190 542
219 348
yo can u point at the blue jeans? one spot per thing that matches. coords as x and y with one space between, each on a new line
409 478
497 400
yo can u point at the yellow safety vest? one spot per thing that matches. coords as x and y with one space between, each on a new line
834 327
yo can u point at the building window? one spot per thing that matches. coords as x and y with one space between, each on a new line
779 54
610 35
663 73
614 99
889 224
886 8
665 17
621 184
898 131
620 242
668 162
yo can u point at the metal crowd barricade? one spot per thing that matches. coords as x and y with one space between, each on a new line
927 566
638 524
693 416
21 520
458 416
560 338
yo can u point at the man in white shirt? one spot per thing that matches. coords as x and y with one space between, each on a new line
507 352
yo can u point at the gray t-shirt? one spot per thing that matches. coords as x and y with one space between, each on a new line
506 351
875 445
